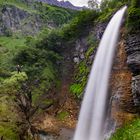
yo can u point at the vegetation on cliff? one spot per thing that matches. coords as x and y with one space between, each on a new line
134 17
20 93
29 18
130 131
26 94
40 59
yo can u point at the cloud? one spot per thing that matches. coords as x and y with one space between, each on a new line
79 2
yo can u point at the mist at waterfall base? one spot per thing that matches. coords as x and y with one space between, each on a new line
92 117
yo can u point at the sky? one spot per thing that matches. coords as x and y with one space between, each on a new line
79 2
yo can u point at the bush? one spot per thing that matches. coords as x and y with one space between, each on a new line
76 89
135 3
128 132
133 23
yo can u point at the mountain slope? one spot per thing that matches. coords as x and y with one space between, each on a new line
30 17
63 4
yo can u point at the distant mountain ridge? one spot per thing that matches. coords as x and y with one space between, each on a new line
64 4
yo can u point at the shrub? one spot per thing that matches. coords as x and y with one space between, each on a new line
76 89
128 132
133 22
133 19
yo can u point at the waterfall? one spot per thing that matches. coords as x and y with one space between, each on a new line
92 117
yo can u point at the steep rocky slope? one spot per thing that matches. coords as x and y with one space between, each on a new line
30 17
133 61
64 4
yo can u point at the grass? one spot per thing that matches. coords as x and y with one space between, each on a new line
62 115
12 43
9 46
7 129
128 132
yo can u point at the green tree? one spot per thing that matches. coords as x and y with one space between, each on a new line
133 22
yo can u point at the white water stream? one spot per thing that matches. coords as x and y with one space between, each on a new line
92 117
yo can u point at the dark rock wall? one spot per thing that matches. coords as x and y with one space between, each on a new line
120 88
133 52
133 61
81 45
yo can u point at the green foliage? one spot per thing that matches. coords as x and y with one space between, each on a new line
49 15
80 25
109 7
58 15
128 132
4 73
9 131
9 46
12 84
135 3
62 115
66 36
112 4
105 15
83 68
18 4
48 102
76 89
15 79
133 22
81 77
40 58
37 62
8 119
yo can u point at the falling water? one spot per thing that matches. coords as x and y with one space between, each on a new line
93 112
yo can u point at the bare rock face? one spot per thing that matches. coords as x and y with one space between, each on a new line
133 61
136 90
133 52
14 19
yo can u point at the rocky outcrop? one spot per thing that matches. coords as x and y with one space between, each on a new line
82 45
64 4
14 19
133 61
80 49
136 90
120 88
99 30
133 51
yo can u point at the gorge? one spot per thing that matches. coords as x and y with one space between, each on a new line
53 49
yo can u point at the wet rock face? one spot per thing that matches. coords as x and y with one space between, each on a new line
99 30
133 61
133 52
82 45
136 90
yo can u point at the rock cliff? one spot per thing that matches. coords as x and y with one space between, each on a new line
28 17
14 19
133 61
